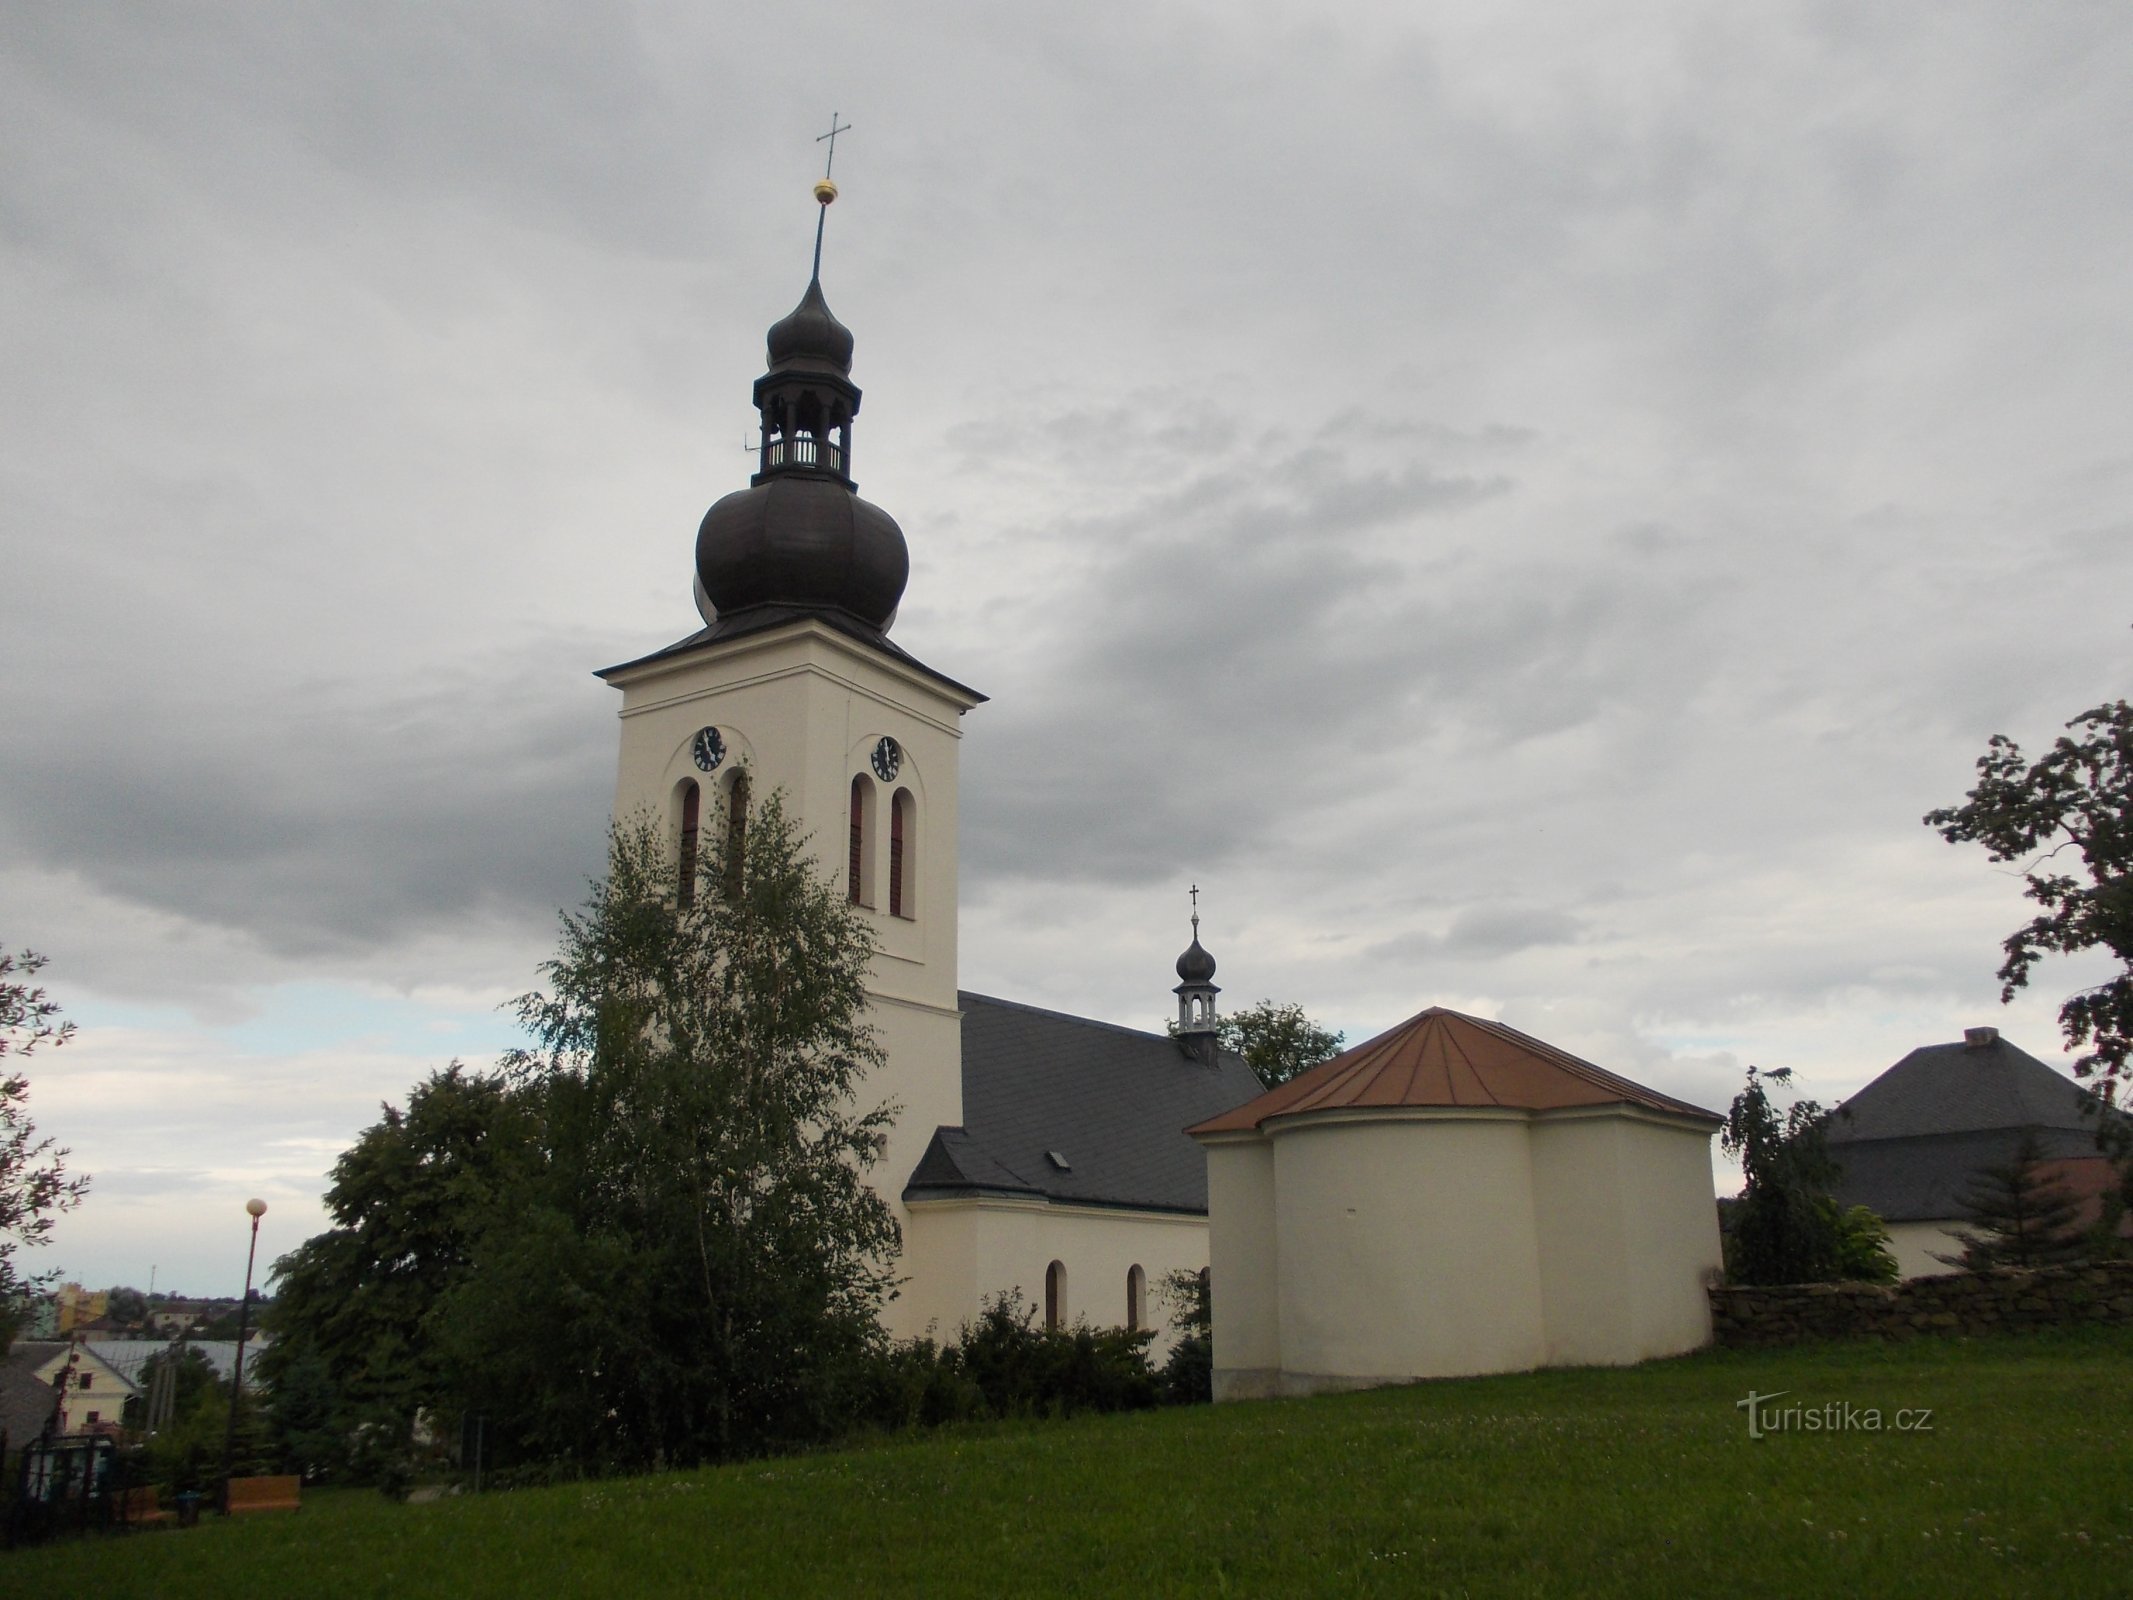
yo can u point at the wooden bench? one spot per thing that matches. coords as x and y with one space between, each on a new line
141 1507
265 1494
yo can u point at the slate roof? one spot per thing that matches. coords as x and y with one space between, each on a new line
1909 1143
26 1402
1446 1058
1114 1102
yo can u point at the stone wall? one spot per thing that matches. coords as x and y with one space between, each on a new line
2003 1300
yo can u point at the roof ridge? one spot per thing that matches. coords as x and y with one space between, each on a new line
963 995
1467 1061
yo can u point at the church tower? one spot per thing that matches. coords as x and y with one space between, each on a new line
792 684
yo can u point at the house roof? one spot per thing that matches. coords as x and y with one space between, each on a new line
1924 1179
1963 1088
26 1402
1909 1144
1041 1087
1443 1058
128 1357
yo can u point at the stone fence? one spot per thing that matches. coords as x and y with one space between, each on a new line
2001 1300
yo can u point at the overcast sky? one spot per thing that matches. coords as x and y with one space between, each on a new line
1526 506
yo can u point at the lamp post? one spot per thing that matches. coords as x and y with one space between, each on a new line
257 1209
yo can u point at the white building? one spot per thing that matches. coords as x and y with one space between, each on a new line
1452 1198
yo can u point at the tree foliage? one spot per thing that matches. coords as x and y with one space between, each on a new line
2021 1215
407 1201
35 1187
1785 1228
696 1270
1278 1042
2078 798
1188 1375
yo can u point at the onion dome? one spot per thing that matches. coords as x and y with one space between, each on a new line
809 338
802 541
1196 965
799 535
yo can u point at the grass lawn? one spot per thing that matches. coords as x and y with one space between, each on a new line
1588 1483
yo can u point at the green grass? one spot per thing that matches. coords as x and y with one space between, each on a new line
1588 1483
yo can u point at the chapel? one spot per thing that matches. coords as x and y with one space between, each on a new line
1450 1198
1035 1152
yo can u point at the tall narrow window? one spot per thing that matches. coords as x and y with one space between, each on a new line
1055 1290
899 832
692 801
1136 1299
736 830
856 871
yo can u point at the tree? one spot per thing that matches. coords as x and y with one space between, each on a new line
2022 1215
1277 1042
1785 1227
2079 797
1188 1375
34 1186
697 1272
408 1200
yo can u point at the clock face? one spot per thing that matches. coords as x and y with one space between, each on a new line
888 759
709 749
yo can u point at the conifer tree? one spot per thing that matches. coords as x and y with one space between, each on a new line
2021 1215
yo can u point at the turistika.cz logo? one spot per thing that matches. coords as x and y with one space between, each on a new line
1765 1417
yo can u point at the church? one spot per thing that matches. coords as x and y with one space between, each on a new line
1451 1197
1035 1151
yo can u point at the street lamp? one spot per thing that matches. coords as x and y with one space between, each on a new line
257 1209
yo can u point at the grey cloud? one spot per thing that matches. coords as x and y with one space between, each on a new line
329 821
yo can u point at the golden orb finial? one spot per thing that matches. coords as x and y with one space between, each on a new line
825 191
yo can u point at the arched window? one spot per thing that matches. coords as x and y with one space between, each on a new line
855 874
1136 1299
736 830
901 831
692 802
1055 1296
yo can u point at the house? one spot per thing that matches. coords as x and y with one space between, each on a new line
1910 1143
1454 1197
92 1392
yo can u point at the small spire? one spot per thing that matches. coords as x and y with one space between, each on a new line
1197 1027
825 190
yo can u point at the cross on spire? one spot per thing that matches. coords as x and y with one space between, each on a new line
1195 892
831 136
825 190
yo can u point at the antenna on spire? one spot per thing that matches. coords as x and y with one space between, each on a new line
825 190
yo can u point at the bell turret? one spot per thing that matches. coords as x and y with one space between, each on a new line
799 535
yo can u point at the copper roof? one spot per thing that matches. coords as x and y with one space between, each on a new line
1445 1058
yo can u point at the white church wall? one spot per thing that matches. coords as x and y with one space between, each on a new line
1245 1269
1007 1245
1628 1232
1579 1207
1674 1250
1385 1226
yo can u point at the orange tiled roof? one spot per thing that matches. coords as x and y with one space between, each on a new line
1445 1058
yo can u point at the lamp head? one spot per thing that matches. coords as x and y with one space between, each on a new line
257 1208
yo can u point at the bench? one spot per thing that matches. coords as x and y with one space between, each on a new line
141 1506
265 1494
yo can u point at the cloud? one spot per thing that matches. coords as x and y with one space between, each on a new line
1526 508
